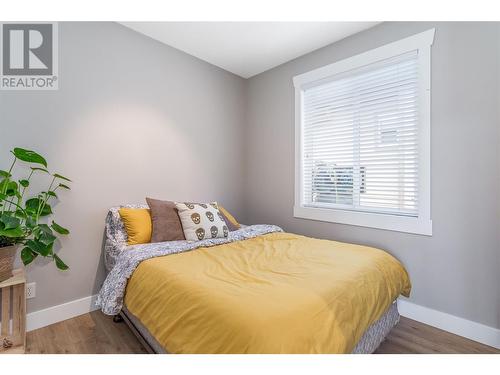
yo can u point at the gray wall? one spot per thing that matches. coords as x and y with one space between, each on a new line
132 118
457 269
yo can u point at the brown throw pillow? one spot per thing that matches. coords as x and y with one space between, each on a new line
166 223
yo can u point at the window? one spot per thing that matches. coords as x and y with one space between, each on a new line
363 139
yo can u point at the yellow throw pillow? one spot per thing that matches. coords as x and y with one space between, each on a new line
229 217
137 222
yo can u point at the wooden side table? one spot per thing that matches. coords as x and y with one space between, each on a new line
13 318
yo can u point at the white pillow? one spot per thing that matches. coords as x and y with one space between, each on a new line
201 221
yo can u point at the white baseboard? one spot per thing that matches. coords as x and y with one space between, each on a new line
54 314
447 322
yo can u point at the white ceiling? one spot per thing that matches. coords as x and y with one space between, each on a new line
248 48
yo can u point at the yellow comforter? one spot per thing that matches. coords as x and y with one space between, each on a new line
276 293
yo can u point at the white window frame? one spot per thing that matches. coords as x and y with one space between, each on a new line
422 223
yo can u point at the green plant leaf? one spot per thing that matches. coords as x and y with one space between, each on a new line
47 210
12 233
33 204
10 187
38 247
30 222
61 177
47 238
5 174
59 229
59 263
64 186
24 183
40 169
49 248
10 222
52 194
20 214
29 156
27 256
44 194
45 228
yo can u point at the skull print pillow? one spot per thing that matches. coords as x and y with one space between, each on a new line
201 221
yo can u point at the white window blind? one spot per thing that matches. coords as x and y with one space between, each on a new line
360 139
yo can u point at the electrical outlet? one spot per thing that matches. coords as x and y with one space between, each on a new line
30 290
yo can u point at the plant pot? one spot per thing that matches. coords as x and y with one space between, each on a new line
7 255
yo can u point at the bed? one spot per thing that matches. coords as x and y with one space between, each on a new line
259 291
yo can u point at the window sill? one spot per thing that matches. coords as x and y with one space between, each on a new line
405 224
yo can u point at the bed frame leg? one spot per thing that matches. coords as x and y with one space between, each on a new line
117 318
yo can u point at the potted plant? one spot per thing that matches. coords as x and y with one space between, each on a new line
24 218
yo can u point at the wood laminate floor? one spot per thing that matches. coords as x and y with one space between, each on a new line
97 333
